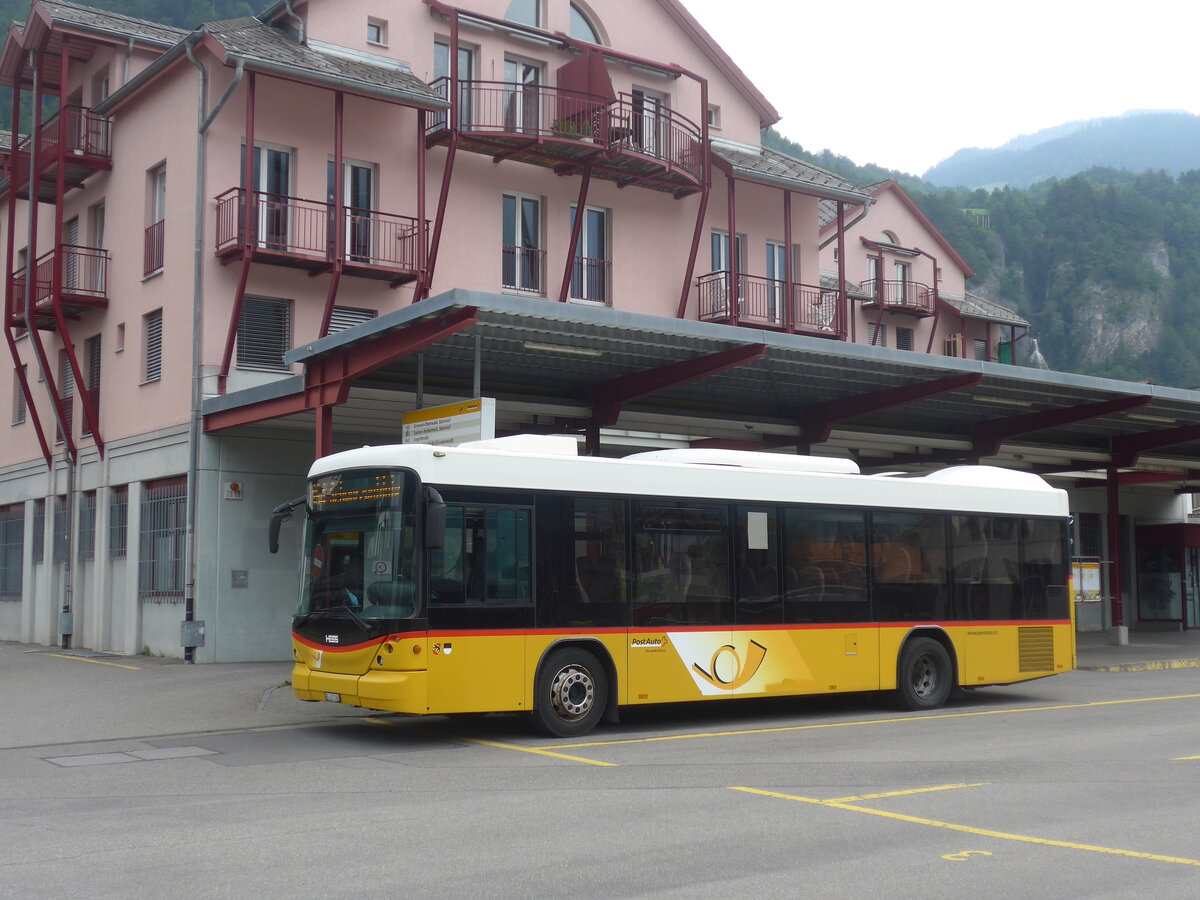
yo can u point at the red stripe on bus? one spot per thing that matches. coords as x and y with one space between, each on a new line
583 632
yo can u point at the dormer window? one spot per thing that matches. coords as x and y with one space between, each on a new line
525 12
377 32
582 26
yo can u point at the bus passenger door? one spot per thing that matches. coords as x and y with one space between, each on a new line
480 609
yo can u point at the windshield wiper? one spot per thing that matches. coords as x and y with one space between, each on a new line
365 624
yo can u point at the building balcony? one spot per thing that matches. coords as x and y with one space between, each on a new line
298 233
768 303
905 297
622 137
81 137
84 284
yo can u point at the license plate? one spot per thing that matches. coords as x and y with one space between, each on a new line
333 698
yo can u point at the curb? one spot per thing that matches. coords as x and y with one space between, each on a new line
1158 665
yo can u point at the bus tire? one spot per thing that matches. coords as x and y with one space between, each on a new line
924 676
570 693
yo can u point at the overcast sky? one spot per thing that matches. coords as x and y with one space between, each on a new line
904 85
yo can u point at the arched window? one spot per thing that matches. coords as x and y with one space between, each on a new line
524 12
889 237
582 26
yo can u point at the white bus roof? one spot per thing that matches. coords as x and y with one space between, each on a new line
550 463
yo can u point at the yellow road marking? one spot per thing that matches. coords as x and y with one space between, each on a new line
1182 758
502 746
98 662
928 790
539 752
964 855
967 829
861 722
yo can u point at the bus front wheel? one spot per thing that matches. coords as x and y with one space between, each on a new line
924 676
570 694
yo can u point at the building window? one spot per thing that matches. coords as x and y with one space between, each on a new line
264 334
377 32
118 521
156 215
163 526
12 548
344 317
525 12
714 121
466 74
272 184
904 338
19 402
62 533
152 341
583 27
876 335
523 259
902 274
1091 535
591 271
66 391
981 349
87 526
100 86
39 530
93 383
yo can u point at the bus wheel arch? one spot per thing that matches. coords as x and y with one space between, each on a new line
926 670
574 688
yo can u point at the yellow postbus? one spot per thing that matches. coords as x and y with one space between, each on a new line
514 575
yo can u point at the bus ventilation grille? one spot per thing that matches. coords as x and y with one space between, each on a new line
1036 648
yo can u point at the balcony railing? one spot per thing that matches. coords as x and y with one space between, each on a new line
155 244
656 131
84 132
524 269
768 302
87 139
295 227
900 296
591 279
542 112
84 276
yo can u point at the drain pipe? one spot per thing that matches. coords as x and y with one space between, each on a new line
64 628
203 121
287 4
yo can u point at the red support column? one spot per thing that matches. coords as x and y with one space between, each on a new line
849 327
249 205
734 297
324 430
339 210
789 276
576 230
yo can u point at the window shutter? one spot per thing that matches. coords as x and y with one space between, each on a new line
344 317
904 338
264 334
154 345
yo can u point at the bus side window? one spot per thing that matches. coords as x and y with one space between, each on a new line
825 565
759 596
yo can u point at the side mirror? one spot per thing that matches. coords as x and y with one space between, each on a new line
281 514
435 520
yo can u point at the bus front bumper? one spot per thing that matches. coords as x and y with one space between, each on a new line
402 692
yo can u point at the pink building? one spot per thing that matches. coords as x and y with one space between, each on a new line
908 283
212 209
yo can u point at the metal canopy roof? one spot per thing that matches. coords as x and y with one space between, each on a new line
549 365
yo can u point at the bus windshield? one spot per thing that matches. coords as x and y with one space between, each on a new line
360 541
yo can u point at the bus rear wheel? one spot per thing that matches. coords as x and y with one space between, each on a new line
924 676
570 693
